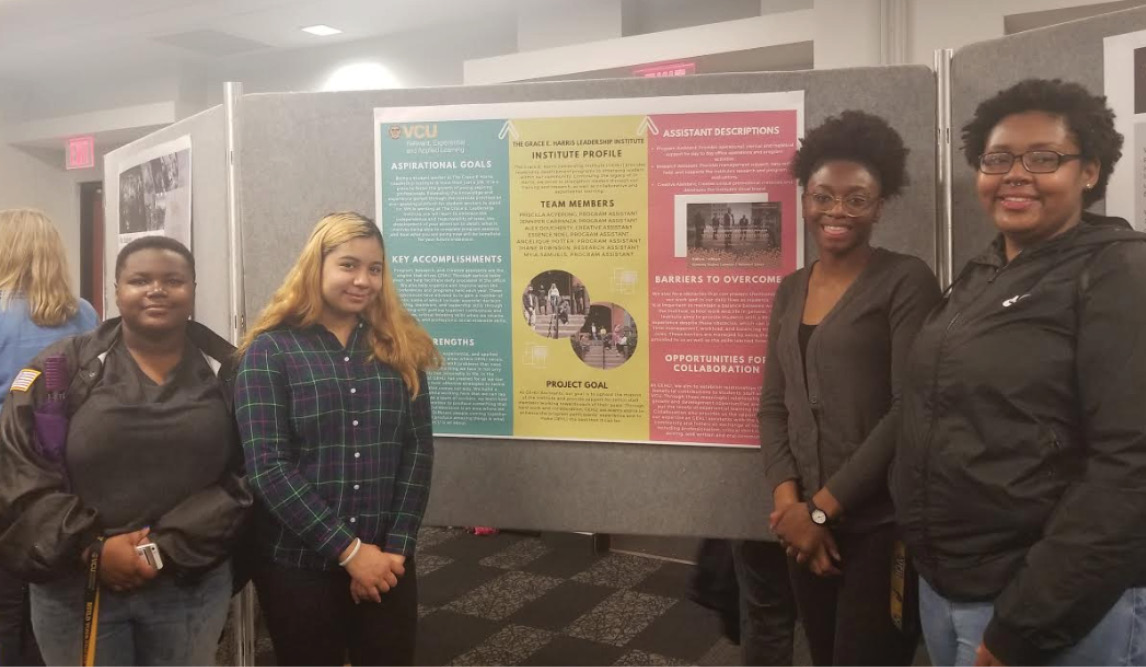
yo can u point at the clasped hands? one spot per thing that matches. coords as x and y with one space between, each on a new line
373 572
811 545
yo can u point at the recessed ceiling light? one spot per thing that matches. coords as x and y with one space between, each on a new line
321 30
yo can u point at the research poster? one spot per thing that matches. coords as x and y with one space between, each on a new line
1125 83
598 270
155 193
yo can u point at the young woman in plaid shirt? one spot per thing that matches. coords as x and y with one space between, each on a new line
334 413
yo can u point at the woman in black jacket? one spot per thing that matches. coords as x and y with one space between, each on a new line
151 457
839 333
1020 478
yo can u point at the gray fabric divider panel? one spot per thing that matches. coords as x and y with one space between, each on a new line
306 154
1070 51
208 212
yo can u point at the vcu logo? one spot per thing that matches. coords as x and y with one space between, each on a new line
414 131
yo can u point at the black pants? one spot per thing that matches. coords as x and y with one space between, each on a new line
767 607
847 618
313 620
17 643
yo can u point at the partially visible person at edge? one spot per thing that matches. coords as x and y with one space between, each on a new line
1020 479
838 340
37 308
152 456
334 411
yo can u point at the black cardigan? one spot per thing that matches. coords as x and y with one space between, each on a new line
840 428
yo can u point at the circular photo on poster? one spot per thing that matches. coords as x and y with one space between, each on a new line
554 304
608 338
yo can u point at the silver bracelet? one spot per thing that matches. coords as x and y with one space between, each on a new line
353 552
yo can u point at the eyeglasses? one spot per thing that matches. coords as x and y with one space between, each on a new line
854 205
1035 162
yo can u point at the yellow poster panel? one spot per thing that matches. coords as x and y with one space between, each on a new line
579 234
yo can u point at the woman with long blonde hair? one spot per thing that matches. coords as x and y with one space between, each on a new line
334 413
37 308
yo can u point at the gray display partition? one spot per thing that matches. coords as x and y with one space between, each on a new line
306 154
209 239
1070 51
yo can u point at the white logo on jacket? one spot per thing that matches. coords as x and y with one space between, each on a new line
1015 299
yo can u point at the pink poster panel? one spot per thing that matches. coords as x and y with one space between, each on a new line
724 229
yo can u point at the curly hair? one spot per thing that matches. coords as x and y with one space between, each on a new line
854 136
1087 117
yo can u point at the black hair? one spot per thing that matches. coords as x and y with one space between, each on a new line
855 136
1087 117
153 243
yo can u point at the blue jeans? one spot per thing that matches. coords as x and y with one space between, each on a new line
954 630
161 623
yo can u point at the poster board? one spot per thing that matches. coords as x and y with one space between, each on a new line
307 154
1124 74
594 270
200 195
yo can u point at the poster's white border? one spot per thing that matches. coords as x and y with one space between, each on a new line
1118 84
620 106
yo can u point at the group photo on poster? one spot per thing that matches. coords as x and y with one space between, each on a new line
155 193
608 263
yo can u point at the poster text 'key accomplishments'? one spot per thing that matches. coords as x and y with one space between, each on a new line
597 270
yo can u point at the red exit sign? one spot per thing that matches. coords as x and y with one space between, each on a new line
666 69
81 152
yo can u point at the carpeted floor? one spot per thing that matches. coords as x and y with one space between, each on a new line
513 599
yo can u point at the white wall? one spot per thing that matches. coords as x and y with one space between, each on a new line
847 33
31 181
947 24
541 26
425 58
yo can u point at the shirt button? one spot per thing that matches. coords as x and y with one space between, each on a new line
353 519
353 390
357 455
355 487
814 399
354 423
346 358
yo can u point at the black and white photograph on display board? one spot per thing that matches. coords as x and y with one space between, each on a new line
155 193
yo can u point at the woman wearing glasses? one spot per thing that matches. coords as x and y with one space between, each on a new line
1020 478
839 333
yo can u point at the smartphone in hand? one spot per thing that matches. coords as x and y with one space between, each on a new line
150 553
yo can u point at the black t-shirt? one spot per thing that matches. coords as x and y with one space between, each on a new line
136 449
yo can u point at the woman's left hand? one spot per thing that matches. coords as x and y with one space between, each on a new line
984 657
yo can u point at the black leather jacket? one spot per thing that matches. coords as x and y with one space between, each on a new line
44 528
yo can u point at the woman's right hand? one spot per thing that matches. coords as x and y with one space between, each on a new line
120 567
373 572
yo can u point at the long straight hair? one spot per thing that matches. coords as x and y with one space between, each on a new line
395 336
34 265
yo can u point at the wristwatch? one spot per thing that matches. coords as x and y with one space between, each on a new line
819 516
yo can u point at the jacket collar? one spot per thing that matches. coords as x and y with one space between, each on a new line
1092 229
220 354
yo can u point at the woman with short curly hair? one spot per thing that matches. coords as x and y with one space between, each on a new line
839 333
1020 477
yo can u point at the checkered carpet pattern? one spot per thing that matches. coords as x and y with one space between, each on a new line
516 600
